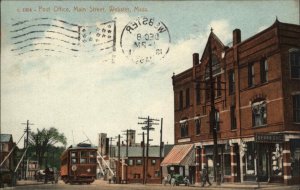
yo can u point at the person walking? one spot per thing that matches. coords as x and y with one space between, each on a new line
205 177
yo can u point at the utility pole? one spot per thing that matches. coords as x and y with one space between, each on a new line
213 124
126 162
118 165
148 122
143 155
160 148
26 146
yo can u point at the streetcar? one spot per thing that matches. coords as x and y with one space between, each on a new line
79 164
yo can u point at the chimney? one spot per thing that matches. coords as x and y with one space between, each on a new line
236 36
195 59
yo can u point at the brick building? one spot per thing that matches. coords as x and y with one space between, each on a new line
257 101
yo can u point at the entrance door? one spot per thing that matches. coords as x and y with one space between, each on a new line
263 164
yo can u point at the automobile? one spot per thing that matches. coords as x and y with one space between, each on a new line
176 179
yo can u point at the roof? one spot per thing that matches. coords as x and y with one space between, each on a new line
180 155
5 138
137 151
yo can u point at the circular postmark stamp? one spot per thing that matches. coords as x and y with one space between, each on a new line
145 40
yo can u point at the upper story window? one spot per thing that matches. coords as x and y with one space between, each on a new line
180 100
184 129
187 97
198 95
219 86
231 82
295 63
217 119
197 126
296 108
233 117
263 70
259 113
250 75
216 67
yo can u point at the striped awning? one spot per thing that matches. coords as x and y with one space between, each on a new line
180 155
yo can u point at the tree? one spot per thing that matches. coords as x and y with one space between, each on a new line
44 140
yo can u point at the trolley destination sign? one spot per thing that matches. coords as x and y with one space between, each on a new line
269 138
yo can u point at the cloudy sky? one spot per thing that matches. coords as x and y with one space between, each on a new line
88 93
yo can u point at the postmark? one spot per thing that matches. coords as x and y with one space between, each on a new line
145 40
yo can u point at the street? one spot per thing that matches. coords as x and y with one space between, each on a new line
99 184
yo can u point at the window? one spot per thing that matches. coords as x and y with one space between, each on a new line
130 162
180 100
184 129
197 126
198 94
217 119
153 161
207 90
295 63
296 108
219 86
263 70
250 75
231 82
233 117
138 162
136 176
227 164
259 113
156 173
187 97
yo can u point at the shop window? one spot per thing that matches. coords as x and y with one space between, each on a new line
296 108
259 113
295 63
156 173
227 164
250 75
295 157
184 130
187 97
250 157
138 162
197 126
276 168
231 82
198 100
263 70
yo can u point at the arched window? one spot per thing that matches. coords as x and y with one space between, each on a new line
259 113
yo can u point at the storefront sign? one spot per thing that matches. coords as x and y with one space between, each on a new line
269 138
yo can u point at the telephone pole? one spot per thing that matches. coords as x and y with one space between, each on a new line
143 155
147 122
27 130
161 146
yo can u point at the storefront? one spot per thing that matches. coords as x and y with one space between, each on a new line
180 160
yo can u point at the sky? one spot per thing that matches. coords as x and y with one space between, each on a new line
83 92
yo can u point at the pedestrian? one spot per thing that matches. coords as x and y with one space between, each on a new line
205 177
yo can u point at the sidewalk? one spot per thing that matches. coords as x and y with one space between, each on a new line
265 186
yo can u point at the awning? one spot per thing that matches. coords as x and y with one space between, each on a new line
180 155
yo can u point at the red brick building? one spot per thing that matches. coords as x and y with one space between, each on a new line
257 101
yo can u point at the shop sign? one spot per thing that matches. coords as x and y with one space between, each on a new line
269 138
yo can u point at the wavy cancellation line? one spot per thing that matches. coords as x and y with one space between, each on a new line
58 37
